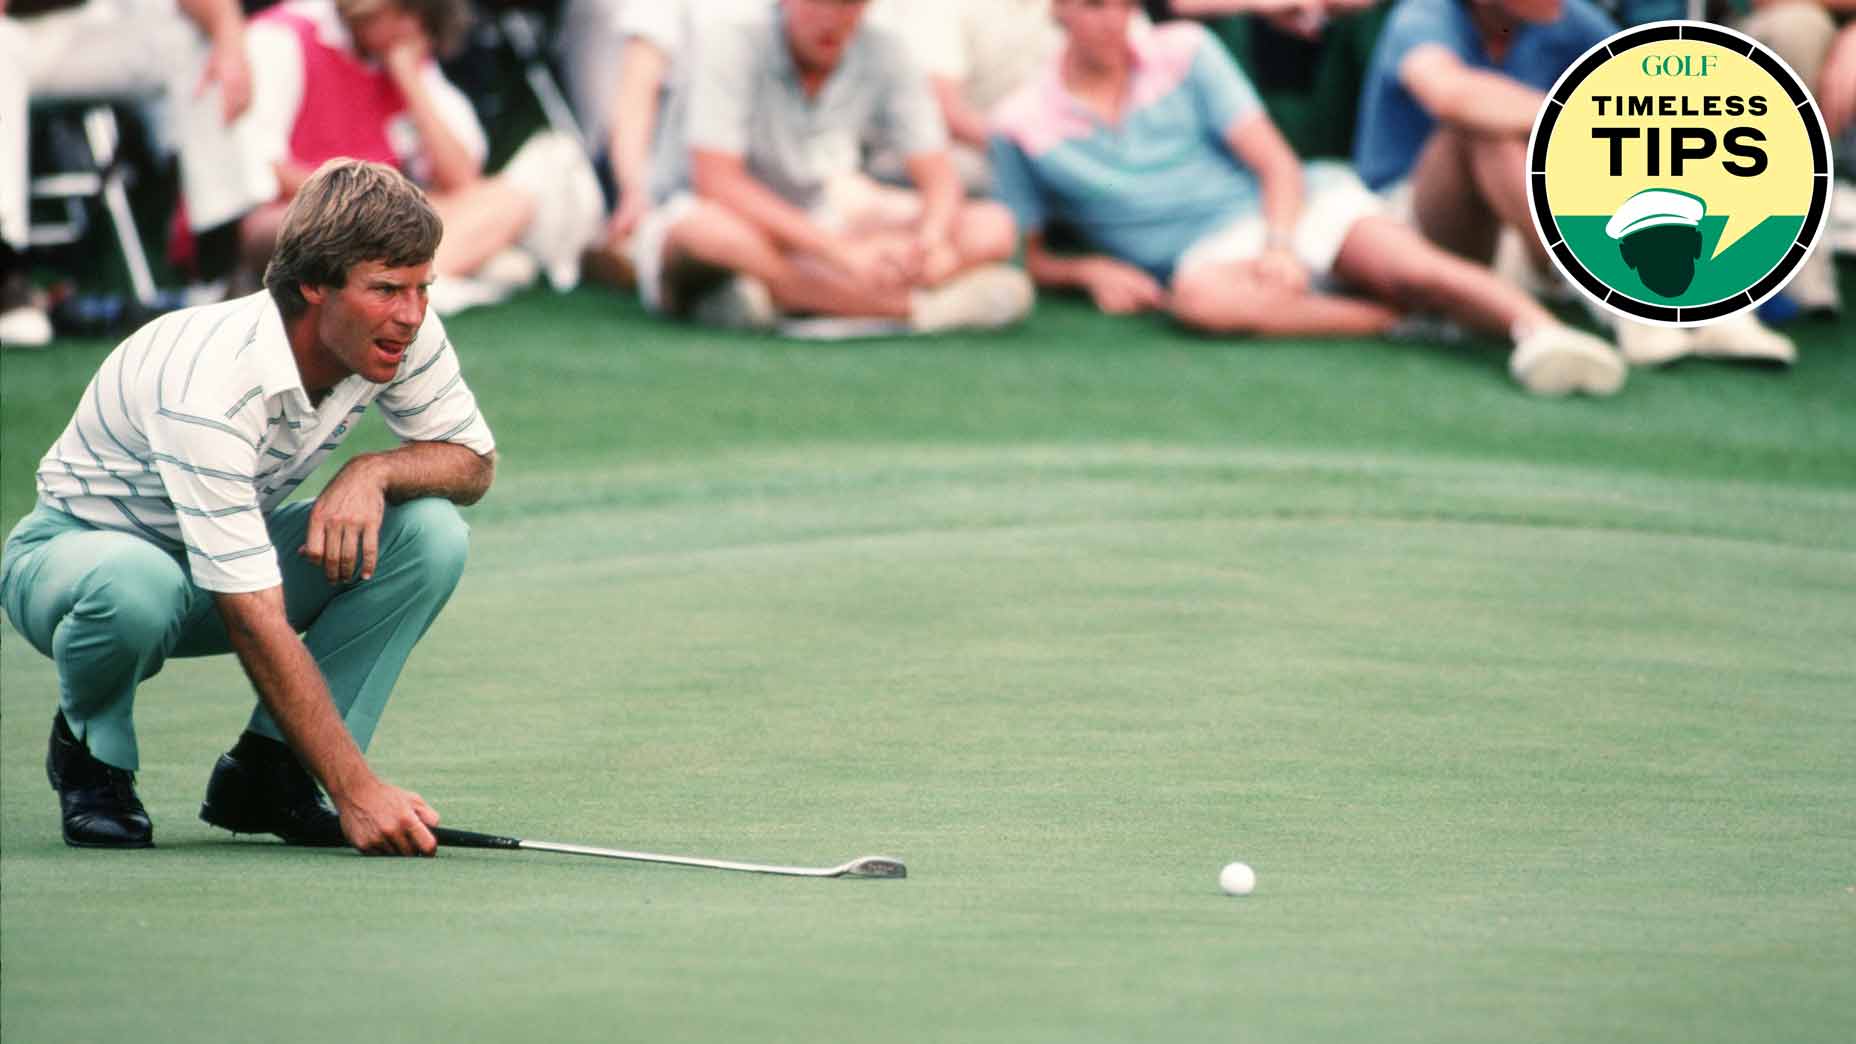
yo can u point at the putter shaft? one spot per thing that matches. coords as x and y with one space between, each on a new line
866 866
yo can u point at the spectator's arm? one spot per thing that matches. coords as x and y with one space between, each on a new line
1474 99
1256 142
723 178
1836 83
965 123
454 165
223 23
634 122
934 176
1116 287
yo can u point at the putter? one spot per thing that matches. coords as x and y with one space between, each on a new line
866 866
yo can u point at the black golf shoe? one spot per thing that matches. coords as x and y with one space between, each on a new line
259 787
97 801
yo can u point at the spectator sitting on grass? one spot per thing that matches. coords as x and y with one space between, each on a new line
1450 100
974 53
356 78
1153 147
761 207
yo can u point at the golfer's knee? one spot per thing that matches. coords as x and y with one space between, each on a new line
128 608
433 537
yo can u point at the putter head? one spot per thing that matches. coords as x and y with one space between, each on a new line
874 866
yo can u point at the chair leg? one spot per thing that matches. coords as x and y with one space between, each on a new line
101 132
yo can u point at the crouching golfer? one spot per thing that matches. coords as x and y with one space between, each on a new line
161 528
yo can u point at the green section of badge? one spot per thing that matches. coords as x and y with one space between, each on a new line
1744 263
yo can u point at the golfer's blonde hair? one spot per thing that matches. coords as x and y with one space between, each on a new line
349 212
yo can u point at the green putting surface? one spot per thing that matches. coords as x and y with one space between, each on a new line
1534 718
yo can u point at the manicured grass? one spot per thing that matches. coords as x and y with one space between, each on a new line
1534 717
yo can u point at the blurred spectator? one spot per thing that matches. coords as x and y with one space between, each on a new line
589 40
189 54
975 53
1306 58
1153 146
760 206
356 78
648 93
1450 99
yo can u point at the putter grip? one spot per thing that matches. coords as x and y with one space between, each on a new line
472 839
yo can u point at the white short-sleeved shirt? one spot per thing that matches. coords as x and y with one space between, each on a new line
198 425
277 80
745 99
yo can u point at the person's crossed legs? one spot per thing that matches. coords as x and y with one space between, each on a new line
689 247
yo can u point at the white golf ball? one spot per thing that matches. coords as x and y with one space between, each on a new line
1237 879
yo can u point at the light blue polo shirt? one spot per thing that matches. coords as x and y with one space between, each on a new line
1393 127
1146 189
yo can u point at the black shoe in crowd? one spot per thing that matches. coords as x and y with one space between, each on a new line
97 801
259 787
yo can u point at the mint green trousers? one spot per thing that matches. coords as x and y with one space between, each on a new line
110 608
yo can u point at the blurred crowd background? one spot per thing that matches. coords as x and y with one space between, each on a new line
148 149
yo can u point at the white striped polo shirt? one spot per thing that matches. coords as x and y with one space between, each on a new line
198 425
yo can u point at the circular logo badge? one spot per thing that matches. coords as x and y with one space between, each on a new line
1679 173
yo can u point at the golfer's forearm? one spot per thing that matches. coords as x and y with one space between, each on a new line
291 687
430 469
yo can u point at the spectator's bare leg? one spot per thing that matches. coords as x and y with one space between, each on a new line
1446 203
712 241
1227 299
480 221
1499 166
1394 263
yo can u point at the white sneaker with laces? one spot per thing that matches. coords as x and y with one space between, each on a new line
1559 360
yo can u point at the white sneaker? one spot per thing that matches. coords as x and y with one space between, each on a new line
1646 344
742 303
453 294
1814 287
985 298
1558 360
511 267
1745 339
26 326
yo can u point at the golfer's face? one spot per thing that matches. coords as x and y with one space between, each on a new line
819 30
1094 27
368 323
